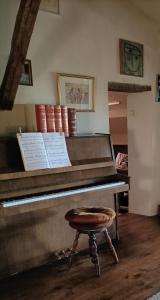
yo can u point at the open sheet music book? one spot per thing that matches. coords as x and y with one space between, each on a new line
43 150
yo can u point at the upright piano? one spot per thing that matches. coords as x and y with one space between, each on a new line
33 203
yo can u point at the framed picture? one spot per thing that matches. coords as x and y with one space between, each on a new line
50 6
76 91
26 77
131 58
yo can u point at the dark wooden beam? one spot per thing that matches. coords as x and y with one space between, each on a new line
128 87
23 29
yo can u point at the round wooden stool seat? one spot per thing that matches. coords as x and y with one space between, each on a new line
91 220
91 216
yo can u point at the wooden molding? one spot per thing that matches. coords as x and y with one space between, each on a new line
128 87
23 29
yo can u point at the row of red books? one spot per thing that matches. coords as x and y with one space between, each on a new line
56 118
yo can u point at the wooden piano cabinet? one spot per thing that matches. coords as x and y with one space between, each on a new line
30 239
30 233
18 184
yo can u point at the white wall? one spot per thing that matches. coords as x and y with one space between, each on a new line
140 128
155 197
83 39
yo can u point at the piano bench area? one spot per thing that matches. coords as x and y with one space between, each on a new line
91 220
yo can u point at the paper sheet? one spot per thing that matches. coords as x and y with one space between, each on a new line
33 151
56 149
43 150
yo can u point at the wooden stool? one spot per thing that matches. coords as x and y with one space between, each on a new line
91 220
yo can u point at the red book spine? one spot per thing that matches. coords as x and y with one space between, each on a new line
72 121
50 118
58 118
64 114
41 118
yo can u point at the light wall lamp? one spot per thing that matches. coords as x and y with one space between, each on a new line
114 103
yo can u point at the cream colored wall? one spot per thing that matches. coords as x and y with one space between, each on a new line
11 121
140 130
22 117
155 197
83 39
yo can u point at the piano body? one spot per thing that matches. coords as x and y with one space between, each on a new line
33 203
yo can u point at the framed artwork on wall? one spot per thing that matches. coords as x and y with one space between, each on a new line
26 77
131 58
76 91
50 6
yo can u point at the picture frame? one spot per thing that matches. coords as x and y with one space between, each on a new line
76 91
131 58
26 77
51 6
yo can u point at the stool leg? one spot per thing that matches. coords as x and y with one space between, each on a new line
93 252
73 249
109 241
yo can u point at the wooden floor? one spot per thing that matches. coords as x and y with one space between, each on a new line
136 277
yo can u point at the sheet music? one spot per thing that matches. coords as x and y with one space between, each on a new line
56 149
33 151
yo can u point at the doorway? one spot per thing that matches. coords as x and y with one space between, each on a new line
117 102
118 122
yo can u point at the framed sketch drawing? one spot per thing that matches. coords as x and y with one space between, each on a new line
50 6
131 58
26 77
76 91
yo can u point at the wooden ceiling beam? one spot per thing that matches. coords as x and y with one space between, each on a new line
23 29
127 87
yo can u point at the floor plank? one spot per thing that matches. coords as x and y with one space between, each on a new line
136 277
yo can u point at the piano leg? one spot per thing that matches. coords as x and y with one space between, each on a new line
116 207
